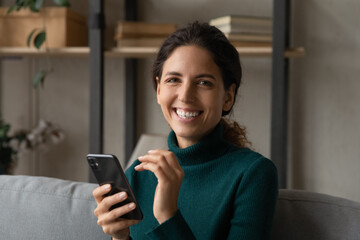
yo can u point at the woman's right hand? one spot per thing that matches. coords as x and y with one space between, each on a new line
111 221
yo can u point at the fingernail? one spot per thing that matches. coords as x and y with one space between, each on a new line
121 195
107 186
151 151
132 205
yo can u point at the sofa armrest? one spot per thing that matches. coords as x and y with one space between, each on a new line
308 215
47 208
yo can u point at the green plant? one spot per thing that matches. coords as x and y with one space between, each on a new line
38 35
8 155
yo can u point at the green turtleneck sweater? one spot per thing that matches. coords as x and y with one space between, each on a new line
227 193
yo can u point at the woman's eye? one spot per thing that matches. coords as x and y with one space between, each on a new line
205 83
172 80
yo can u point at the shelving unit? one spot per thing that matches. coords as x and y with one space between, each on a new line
136 52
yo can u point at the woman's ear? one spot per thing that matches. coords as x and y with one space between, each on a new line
157 89
229 98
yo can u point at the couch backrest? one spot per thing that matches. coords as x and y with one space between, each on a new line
307 215
47 208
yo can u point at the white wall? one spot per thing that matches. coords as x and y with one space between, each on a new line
324 116
325 113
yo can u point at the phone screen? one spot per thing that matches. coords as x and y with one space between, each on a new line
107 170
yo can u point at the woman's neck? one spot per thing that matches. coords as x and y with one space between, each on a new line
185 142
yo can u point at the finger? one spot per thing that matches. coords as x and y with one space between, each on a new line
159 160
156 169
114 227
115 214
108 202
165 158
169 156
100 191
150 158
140 167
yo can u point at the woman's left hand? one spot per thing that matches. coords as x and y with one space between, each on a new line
169 173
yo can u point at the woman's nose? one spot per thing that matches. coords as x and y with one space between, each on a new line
186 93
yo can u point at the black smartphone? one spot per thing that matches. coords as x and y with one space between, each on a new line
107 170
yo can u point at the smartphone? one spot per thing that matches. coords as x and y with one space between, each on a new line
107 170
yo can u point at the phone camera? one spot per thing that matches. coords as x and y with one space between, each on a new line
93 163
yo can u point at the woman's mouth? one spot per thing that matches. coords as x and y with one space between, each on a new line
187 114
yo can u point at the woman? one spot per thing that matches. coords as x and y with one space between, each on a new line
208 185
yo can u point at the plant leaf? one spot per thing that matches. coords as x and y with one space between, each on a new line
64 3
28 42
39 78
40 39
12 8
38 4
33 8
28 3
4 130
21 3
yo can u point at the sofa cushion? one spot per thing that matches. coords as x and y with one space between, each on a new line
307 215
47 208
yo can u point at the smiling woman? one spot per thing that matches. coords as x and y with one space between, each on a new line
208 184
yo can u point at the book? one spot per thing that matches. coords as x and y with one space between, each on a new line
241 20
139 42
128 29
236 43
249 37
245 29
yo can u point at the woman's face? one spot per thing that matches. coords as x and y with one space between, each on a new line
191 94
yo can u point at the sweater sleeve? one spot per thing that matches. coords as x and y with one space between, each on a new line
174 228
255 201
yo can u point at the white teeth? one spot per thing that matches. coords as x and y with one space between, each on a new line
186 115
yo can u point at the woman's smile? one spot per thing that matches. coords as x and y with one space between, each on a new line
187 114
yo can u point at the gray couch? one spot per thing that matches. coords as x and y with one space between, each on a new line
47 208
39 208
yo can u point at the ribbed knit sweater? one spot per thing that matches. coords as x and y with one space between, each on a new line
227 193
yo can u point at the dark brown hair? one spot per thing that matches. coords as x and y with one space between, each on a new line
225 57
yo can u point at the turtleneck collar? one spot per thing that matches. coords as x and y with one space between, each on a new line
210 147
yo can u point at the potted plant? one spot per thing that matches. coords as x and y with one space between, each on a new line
42 135
38 35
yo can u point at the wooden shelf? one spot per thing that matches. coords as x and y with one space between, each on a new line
137 52
26 51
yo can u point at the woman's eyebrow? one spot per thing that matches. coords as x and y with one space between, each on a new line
173 73
205 75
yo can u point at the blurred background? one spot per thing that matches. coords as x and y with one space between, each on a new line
324 112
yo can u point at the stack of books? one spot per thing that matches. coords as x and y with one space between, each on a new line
142 34
243 31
